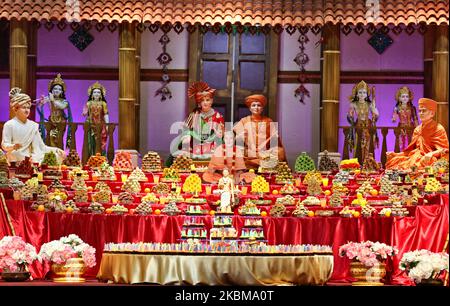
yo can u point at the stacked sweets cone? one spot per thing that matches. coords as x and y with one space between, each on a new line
367 211
284 173
171 209
72 159
71 206
122 161
96 208
314 187
102 196
125 198
365 188
151 162
3 163
336 199
386 186
432 185
56 185
132 185
286 200
182 163
27 191
327 164
80 188
138 175
304 163
260 185
144 209
301 210
312 175
171 174
249 208
277 210
339 187
370 164
107 172
398 210
149 198
119 209
50 159
102 186
96 160
341 177
289 188
193 183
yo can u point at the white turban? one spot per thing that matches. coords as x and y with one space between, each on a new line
16 98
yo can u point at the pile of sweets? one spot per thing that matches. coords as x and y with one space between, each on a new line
195 200
304 163
24 168
96 160
3 163
346 212
369 164
73 173
132 185
143 209
313 188
80 195
182 163
125 198
360 201
4 181
326 164
301 211
15 183
284 173
57 205
149 198
289 188
336 199
439 164
72 159
161 188
365 188
341 177
56 185
102 196
96 208
260 185
176 198
26 192
138 175
122 161
171 209
78 183
33 181
52 173
102 186
106 172
71 206
119 209
311 201
397 210
432 185
151 162
312 175
350 164
367 211
387 187
170 175
57 194
192 184
286 200
249 209
277 210
50 159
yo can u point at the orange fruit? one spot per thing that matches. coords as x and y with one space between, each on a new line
356 214
374 192
212 212
90 188
387 214
131 211
41 208
63 167
147 190
69 210
275 191
157 212
263 213
310 213
327 192
108 210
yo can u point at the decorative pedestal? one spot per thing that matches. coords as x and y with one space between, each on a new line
367 276
71 272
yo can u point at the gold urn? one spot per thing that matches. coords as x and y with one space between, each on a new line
70 272
367 276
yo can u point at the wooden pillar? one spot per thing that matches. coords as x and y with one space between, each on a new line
137 104
127 87
18 50
31 64
440 74
330 88
428 47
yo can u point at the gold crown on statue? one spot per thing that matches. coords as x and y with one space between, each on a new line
404 90
360 85
57 81
97 85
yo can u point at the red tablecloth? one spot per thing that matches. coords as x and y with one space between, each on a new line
428 230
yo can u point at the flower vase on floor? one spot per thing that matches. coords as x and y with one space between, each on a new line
70 272
367 276
15 256
19 275
431 282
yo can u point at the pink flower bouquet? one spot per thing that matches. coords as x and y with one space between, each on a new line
16 254
367 252
59 251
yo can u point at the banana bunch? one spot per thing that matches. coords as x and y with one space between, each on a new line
259 184
432 185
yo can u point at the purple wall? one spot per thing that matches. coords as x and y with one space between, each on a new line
385 101
4 99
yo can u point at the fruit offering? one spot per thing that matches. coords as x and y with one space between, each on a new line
360 201
289 188
387 187
132 185
336 199
72 159
151 162
277 210
41 206
365 188
327 164
71 206
260 185
182 163
138 175
122 161
50 159
193 183
170 175
102 196
119 209
310 201
286 200
125 198
24 168
349 164
304 163
369 164
432 185
149 198
96 160
284 173
171 209
300 211
346 212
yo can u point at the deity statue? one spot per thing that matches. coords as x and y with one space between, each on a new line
258 134
58 118
428 144
96 110
21 138
406 114
226 186
362 116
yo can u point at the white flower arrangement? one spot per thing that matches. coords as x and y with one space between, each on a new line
423 264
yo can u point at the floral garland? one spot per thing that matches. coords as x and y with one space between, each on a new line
301 59
164 59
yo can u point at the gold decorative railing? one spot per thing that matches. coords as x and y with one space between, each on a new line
383 131
97 128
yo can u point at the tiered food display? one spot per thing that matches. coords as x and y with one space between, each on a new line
95 161
304 163
313 188
122 161
182 163
223 229
102 186
78 183
72 159
106 172
119 209
194 228
284 173
102 196
138 174
252 230
80 188
171 209
151 162
326 164
193 184
365 188
260 185
132 186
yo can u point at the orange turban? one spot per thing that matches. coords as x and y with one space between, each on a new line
428 104
255 98
200 89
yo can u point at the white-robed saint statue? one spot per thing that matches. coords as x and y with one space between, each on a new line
21 137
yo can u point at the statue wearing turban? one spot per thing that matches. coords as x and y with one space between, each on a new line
429 142
258 134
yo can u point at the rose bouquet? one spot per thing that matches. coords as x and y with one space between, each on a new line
59 251
16 254
367 252
423 264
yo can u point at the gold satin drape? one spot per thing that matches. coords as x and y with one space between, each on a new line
215 269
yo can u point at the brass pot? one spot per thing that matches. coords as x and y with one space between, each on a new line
367 276
70 272
430 282
19 276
